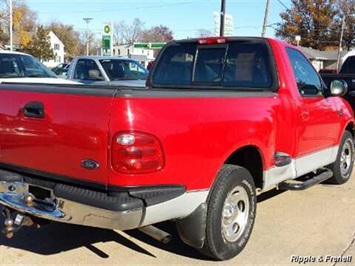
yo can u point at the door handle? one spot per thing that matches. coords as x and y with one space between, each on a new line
34 109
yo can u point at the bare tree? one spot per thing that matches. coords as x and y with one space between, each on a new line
346 14
157 34
128 33
203 33
94 43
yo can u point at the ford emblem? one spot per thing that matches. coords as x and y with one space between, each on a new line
90 164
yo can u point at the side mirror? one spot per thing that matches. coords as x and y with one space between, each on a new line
338 88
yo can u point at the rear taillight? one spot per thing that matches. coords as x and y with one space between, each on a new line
136 153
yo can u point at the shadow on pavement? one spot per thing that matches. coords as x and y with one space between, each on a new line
175 246
270 194
56 237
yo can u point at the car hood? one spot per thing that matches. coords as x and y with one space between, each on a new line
39 80
129 83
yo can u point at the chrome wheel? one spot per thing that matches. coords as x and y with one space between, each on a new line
235 214
346 158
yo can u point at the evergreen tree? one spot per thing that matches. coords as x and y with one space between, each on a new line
40 46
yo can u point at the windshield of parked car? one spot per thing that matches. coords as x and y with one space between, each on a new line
22 66
121 69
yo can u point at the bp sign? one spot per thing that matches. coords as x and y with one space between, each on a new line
106 39
106 30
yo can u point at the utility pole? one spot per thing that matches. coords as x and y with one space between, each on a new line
223 14
10 29
340 42
265 18
87 20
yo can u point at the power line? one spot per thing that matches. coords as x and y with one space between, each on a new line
282 4
124 8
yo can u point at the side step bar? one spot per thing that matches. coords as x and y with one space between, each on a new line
302 185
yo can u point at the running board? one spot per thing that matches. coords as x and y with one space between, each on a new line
302 185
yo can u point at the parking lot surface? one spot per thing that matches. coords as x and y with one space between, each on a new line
316 225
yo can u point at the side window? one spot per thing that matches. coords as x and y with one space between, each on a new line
87 69
308 81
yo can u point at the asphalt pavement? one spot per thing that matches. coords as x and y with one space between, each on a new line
311 227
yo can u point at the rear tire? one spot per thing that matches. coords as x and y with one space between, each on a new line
343 166
231 209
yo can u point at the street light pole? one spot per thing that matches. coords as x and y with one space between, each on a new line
341 39
265 18
10 27
223 14
340 42
87 20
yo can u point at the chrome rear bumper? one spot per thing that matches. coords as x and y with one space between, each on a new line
17 196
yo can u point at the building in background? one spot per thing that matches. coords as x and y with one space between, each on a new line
141 54
58 49
325 60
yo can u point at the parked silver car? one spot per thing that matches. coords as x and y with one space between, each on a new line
107 70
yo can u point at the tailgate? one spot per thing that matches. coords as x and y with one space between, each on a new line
55 131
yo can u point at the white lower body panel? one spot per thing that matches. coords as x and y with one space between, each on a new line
299 166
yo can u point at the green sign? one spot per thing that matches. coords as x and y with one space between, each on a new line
107 29
106 39
149 45
106 42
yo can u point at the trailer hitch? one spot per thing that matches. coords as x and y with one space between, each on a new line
14 225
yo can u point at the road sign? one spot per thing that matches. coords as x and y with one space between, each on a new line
228 24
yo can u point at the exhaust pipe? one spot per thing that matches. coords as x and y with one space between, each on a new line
156 233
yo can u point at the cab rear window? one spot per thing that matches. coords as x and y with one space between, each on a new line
244 64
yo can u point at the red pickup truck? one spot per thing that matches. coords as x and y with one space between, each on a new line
221 121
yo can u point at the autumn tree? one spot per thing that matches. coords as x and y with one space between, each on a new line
40 46
124 33
24 21
157 34
310 19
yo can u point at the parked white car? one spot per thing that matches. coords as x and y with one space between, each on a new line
16 67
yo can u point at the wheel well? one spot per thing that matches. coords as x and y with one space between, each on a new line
249 157
350 128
